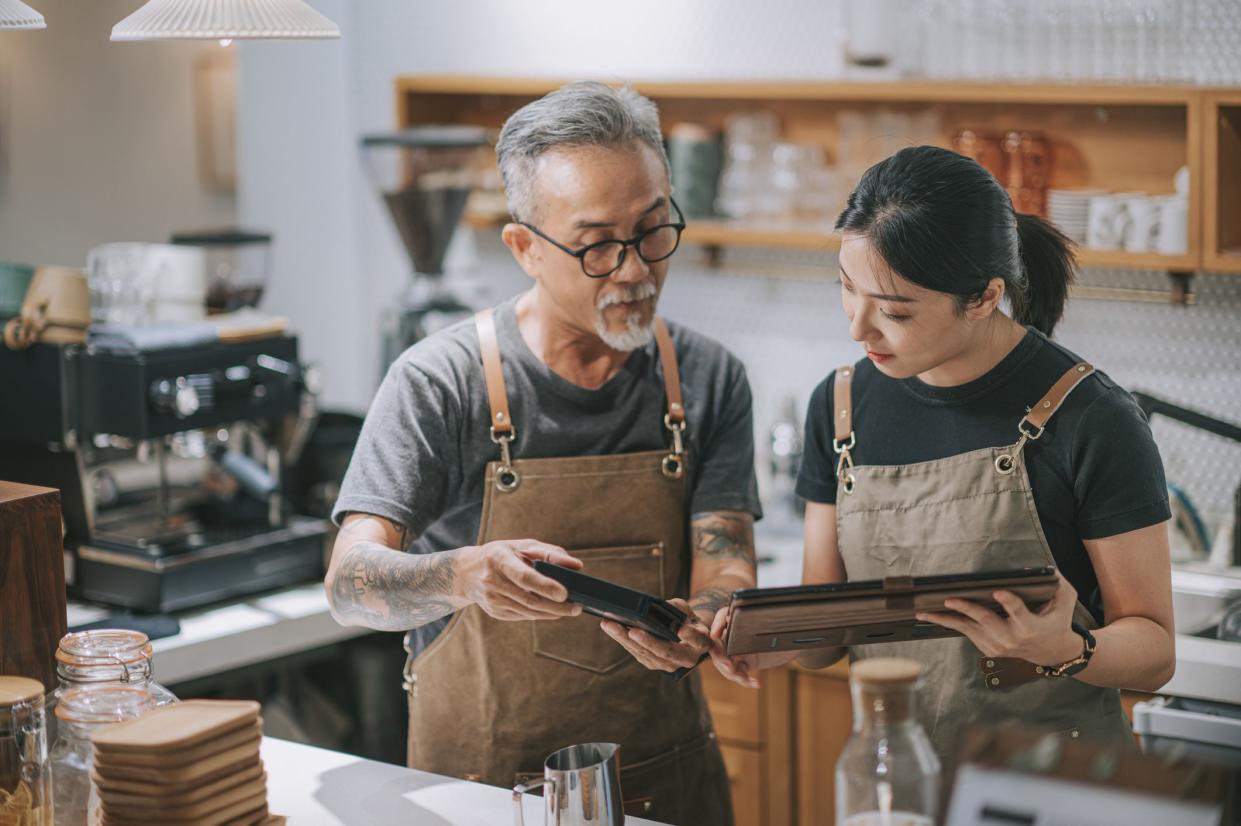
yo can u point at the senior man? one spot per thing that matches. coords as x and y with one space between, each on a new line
572 425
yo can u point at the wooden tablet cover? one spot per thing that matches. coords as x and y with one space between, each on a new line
884 613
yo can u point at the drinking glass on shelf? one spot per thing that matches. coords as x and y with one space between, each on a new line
117 282
745 184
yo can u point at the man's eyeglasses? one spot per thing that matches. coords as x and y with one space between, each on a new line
601 259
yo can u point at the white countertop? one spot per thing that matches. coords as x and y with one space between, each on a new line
317 787
258 629
250 630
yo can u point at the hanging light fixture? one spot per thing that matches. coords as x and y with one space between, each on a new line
14 14
224 20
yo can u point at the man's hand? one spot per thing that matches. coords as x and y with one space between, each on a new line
499 578
660 655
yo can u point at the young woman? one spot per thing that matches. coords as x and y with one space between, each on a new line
967 440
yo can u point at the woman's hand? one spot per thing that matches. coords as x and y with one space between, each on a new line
1044 637
741 669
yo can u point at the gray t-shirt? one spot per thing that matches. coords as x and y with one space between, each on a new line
424 448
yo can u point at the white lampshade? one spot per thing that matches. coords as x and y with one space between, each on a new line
14 14
224 20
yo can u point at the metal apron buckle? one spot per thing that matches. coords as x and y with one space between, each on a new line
508 478
845 463
407 672
1006 463
673 465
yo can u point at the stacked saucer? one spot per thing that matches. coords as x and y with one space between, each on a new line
1069 209
195 762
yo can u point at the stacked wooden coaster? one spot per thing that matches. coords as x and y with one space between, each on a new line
195 762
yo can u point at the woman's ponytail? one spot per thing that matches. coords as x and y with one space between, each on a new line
941 221
1047 258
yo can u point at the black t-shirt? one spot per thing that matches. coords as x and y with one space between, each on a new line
1095 472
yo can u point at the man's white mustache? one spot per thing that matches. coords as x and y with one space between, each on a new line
625 294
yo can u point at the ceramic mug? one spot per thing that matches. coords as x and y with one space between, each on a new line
1142 223
176 279
14 282
1105 225
1173 236
56 310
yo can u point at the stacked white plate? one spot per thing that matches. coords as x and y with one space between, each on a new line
1069 209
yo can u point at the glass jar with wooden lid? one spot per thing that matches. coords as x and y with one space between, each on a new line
888 772
25 775
80 712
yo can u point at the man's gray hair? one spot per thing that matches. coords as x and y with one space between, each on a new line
585 113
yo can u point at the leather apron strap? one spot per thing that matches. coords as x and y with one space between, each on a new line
493 370
672 373
843 438
842 396
1046 407
1031 426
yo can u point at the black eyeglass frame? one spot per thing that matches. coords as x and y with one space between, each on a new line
580 254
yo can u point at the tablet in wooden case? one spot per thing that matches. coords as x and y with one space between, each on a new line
868 611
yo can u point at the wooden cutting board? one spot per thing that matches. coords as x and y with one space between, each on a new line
178 726
108 759
143 794
242 758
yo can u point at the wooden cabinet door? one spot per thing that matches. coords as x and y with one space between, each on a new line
824 720
745 778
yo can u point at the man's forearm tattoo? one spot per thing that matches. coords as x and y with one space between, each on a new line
391 591
723 535
710 600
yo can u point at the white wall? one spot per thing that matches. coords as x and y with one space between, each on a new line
96 138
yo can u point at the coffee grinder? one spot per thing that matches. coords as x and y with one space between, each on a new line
425 175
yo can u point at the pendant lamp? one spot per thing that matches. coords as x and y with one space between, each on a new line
14 14
224 20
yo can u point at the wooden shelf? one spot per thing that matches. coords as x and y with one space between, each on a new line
1221 237
757 233
1135 260
1116 137
842 92
806 235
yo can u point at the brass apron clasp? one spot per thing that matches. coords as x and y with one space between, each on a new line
673 464
844 465
507 476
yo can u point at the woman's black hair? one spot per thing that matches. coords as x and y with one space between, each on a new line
940 220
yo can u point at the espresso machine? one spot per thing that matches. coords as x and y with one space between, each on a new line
425 175
170 463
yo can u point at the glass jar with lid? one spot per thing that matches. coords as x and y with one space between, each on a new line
888 773
81 712
25 774
108 656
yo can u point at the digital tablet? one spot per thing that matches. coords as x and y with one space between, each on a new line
868 611
636 609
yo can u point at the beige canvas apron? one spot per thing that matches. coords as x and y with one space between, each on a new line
489 700
970 512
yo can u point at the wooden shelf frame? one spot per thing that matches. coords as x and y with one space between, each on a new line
1124 138
1221 235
